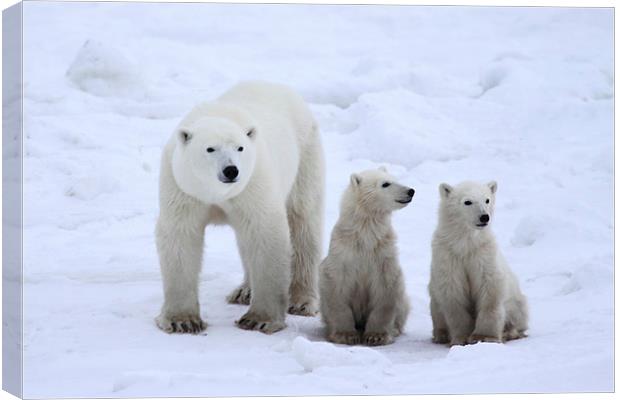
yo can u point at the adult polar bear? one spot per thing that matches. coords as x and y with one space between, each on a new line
251 159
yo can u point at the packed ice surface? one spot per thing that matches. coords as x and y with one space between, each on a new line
520 95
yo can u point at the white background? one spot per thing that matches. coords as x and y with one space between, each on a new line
523 96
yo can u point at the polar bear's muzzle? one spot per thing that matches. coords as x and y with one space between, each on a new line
408 197
484 221
229 174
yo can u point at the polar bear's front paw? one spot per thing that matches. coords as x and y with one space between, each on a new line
253 321
377 339
441 337
475 338
459 341
350 338
241 295
181 324
308 307
513 334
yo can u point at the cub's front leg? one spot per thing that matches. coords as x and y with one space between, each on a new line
336 311
380 325
381 322
264 243
491 314
451 305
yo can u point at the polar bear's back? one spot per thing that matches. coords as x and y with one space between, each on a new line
272 103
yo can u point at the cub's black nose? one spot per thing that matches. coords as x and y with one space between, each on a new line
230 172
411 192
484 218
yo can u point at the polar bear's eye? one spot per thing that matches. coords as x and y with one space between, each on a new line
467 203
210 149
240 148
386 184
487 201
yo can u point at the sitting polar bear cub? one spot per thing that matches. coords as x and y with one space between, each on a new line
362 290
251 159
474 294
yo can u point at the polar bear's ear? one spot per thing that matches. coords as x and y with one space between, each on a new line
356 180
493 186
184 136
445 190
251 133
382 168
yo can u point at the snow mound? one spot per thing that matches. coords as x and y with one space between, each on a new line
493 77
529 231
145 378
589 276
401 127
313 355
88 188
105 71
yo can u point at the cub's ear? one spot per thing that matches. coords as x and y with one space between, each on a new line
184 136
493 186
382 168
356 180
251 133
445 190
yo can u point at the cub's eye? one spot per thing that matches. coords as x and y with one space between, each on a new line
467 203
386 184
210 149
240 148
487 201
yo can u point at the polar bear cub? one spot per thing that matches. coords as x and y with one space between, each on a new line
251 159
361 284
474 294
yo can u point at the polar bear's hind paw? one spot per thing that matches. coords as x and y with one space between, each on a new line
306 308
350 338
241 295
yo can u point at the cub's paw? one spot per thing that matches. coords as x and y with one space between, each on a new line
308 306
459 341
241 295
350 338
476 337
377 339
441 337
252 321
181 324
514 334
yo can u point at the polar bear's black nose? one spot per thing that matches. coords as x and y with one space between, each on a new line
484 218
230 172
411 192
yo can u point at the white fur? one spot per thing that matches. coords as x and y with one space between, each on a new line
362 289
474 294
275 204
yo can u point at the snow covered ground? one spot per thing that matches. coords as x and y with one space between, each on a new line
523 96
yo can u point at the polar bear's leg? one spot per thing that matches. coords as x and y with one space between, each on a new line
379 323
402 314
516 318
339 319
305 217
264 244
491 315
458 318
179 245
440 327
243 293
